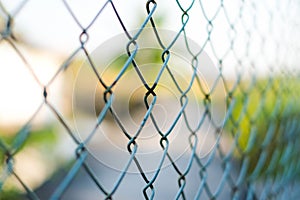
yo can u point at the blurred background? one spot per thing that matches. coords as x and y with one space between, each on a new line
226 77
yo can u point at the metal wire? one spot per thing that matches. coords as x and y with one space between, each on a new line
262 161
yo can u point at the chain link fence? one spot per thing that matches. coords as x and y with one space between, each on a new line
209 90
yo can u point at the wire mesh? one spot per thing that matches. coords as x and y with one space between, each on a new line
254 155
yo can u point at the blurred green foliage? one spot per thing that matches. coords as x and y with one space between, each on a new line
264 121
36 138
41 139
11 195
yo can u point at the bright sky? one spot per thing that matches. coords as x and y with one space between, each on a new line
49 25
